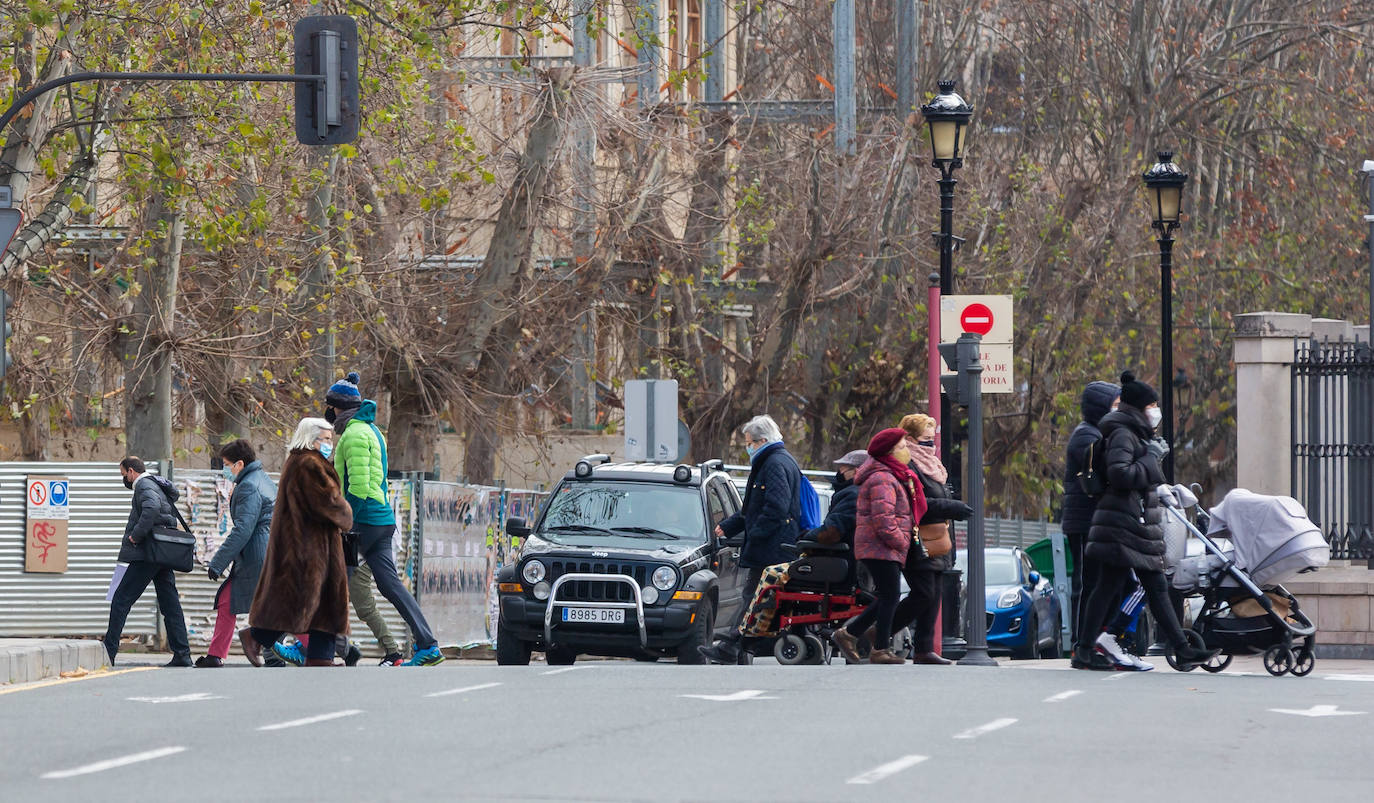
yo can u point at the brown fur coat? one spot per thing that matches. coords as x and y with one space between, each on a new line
304 584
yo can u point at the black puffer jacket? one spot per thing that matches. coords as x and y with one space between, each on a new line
840 519
152 507
1076 513
940 506
1126 527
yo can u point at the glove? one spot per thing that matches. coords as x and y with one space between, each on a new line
1157 447
965 512
214 575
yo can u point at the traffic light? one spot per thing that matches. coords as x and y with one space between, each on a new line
6 329
954 385
327 111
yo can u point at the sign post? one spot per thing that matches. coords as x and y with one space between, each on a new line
651 424
46 508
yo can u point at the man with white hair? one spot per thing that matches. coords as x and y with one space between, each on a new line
770 518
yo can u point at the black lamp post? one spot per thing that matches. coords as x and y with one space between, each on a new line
1164 183
947 117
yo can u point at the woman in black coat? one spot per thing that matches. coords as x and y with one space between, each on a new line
1126 533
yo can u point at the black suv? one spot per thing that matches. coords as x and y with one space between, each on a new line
622 562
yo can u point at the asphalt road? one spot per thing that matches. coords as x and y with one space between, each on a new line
623 731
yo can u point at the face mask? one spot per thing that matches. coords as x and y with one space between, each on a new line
929 443
326 449
228 473
1154 416
128 483
751 451
329 415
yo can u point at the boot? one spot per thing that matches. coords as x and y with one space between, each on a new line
885 656
847 644
1188 655
931 659
722 652
251 649
209 662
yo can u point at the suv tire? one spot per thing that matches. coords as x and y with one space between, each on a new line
510 651
702 631
559 656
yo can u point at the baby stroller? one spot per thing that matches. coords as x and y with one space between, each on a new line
1252 544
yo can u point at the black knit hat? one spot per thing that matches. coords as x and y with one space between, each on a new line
344 394
1136 393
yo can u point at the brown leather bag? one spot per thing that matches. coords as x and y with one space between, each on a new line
935 538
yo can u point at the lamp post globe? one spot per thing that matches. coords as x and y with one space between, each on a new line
947 117
1164 184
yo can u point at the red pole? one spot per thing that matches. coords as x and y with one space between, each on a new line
933 394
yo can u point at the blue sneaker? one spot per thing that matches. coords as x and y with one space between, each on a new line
290 654
427 657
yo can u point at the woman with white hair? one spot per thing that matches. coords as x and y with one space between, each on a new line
304 583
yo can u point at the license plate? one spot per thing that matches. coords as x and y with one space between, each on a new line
597 616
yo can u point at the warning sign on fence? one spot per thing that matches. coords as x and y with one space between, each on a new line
46 508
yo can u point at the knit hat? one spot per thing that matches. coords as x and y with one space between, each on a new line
1136 393
885 441
855 458
344 395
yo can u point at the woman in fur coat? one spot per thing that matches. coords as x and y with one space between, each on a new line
304 583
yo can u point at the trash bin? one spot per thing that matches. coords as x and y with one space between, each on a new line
1041 554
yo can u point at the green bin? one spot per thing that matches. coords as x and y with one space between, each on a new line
1041 554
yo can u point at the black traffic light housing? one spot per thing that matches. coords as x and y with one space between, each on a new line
327 111
962 358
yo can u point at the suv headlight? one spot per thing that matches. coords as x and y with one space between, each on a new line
533 572
664 578
1009 598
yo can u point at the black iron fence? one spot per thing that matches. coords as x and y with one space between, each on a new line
1333 442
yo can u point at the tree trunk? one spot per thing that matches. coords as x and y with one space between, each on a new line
148 346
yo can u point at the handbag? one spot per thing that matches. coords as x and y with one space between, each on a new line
1089 479
935 539
171 547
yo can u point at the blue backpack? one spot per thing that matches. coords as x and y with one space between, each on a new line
810 506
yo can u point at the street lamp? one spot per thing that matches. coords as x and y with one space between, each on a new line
1164 185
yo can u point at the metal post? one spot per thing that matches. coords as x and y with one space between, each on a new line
907 24
646 23
976 630
933 396
584 228
714 36
846 104
1370 220
947 182
1166 319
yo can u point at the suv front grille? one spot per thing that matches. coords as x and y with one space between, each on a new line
597 590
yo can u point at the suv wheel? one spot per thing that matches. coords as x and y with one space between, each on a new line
559 656
702 630
510 651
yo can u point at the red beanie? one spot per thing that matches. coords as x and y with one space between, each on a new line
884 441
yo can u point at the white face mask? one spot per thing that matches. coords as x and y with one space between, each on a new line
1154 415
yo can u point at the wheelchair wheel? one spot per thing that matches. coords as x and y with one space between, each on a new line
790 649
815 650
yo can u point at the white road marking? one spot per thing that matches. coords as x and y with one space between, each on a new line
1317 711
463 690
1117 675
890 768
296 723
564 669
185 698
996 724
746 694
112 763
1062 696
1365 678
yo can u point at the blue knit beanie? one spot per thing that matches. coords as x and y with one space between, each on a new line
344 395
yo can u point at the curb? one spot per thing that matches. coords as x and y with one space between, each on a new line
27 660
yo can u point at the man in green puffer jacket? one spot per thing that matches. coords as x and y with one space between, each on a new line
360 458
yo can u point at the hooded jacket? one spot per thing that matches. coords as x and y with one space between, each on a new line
771 516
1126 529
1076 510
360 457
152 507
250 508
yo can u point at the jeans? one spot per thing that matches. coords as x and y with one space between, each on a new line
921 607
136 579
365 605
1111 582
225 622
319 647
374 544
887 576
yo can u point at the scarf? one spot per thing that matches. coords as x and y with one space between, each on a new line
928 462
909 481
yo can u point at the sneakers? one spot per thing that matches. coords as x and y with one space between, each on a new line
1107 646
290 654
847 644
393 659
209 662
426 657
353 655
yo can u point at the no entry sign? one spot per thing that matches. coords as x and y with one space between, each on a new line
976 318
989 316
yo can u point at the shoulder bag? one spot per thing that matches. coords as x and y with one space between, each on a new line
1089 478
935 538
171 547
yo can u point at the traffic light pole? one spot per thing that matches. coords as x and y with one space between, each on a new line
975 610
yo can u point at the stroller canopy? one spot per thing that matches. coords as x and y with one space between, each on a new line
1273 538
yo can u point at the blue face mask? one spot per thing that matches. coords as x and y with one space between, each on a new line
326 449
227 472
753 450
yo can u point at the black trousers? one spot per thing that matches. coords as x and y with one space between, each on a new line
1112 582
374 546
136 579
887 576
921 607
747 591
1076 544
321 646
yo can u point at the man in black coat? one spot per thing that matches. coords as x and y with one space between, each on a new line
152 507
1076 516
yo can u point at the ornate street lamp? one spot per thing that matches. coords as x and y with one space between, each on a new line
1164 185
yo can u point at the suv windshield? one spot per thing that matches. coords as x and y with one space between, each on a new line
582 512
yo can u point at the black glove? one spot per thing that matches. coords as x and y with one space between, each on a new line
214 575
965 512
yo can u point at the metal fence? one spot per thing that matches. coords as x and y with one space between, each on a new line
1333 442
1001 532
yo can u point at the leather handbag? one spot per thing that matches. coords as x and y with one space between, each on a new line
935 538
172 547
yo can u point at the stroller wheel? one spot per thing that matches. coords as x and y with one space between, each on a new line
1278 660
1219 663
1303 663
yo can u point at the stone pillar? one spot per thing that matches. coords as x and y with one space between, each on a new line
1264 415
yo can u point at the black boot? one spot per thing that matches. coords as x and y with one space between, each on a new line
724 651
1187 655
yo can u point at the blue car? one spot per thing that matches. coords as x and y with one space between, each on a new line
1022 608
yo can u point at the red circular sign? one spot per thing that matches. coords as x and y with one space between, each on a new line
976 318
38 493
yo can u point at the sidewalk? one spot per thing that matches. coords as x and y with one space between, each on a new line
23 660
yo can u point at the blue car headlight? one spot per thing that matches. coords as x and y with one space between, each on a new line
1010 598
